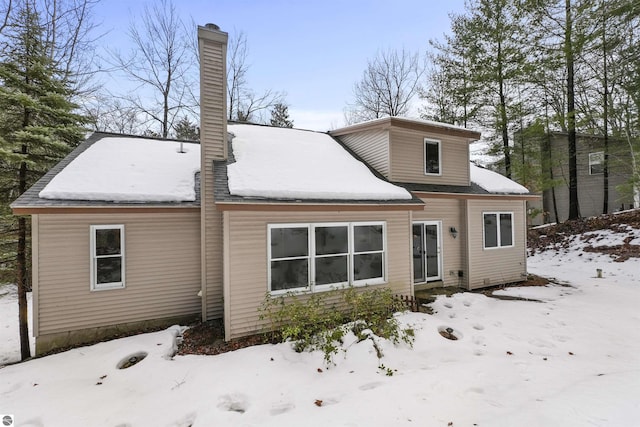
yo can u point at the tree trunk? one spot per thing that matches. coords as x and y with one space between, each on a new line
605 114
21 270
574 211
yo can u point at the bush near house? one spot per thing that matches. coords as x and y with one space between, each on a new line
321 321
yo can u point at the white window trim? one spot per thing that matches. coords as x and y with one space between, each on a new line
424 156
311 286
498 235
269 259
593 163
329 286
93 258
352 253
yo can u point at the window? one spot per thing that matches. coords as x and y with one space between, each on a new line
431 157
289 258
316 257
596 163
331 254
107 257
368 252
498 230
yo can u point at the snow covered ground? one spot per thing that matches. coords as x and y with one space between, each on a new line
9 338
570 358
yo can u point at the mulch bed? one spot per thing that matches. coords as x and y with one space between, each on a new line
208 339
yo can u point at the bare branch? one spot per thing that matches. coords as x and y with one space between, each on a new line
387 87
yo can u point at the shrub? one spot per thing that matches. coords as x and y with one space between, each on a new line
321 321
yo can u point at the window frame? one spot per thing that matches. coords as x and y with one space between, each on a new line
499 244
352 251
270 259
599 163
311 264
93 258
312 277
432 141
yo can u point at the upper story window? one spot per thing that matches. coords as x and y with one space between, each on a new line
107 257
596 163
432 157
498 229
316 257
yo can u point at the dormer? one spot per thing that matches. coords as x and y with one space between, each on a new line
412 151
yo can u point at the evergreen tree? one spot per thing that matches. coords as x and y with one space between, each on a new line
450 93
187 130
37 129
499 66
280 116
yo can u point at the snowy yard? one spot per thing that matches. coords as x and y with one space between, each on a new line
570 358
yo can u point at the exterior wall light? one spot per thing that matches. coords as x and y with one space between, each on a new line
453 231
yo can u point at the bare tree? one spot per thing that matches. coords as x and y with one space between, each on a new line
5 13
160 63
242 102
107 113
387 87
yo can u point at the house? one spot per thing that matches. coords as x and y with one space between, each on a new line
590 163
129 232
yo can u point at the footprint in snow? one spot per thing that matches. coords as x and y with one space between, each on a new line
478 327
477 340
369 386
234 403
186 421
282 408
448 305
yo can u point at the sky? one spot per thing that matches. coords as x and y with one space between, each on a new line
314 51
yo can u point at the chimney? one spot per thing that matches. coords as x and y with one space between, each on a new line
212 45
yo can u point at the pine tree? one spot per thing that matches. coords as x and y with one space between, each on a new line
450 93
187 130
280 116
37 129
499 64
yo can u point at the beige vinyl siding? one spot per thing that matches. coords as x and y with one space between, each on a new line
213 261
213 97
247 258
162 270
451 213
213 122
488 267
372 146
407 158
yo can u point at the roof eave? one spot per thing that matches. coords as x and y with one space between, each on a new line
318 206
512 196
402 123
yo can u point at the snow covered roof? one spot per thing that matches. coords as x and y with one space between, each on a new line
128 169
493 182
270 163
286 163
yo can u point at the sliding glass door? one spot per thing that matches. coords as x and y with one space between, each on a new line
427 251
